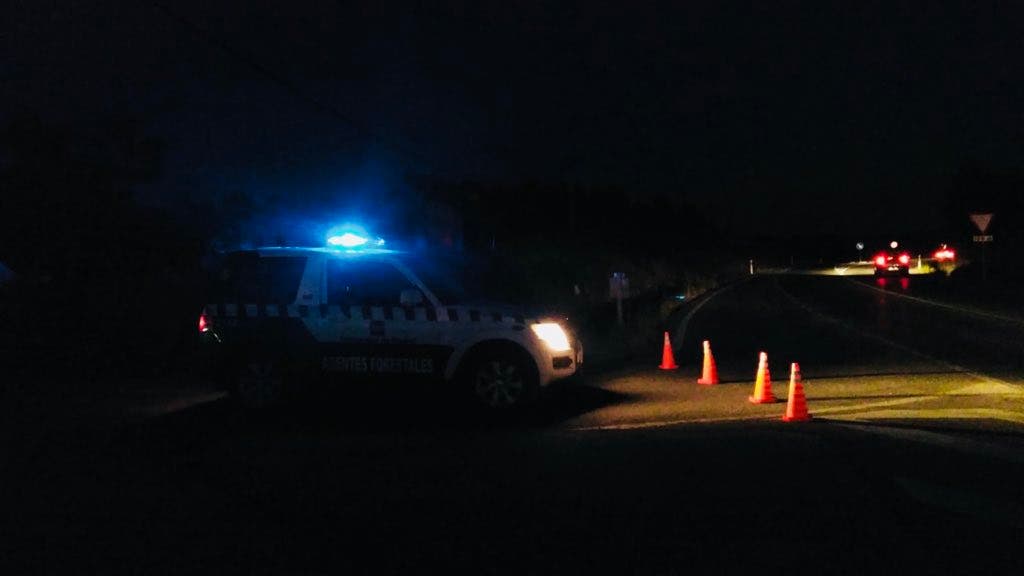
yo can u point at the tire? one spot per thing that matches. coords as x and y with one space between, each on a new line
501 379
258 383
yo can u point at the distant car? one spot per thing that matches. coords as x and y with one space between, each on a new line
282 316
944 254
892 263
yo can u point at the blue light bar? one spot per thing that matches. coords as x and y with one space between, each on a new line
347 240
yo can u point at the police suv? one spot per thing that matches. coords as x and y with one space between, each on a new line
282 317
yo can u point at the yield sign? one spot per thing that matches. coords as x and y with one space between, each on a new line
981 221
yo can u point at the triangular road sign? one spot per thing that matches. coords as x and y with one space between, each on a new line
981 221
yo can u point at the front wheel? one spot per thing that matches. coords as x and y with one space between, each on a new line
502 380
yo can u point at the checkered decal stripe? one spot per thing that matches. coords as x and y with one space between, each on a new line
396 313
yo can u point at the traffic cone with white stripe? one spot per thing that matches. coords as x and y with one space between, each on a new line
796 408
668 360
710 375
763 383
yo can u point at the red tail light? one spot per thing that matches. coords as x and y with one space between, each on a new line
880 260
204 325
904 258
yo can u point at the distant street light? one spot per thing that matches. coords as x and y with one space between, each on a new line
893 244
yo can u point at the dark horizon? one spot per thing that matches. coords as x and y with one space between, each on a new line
765 120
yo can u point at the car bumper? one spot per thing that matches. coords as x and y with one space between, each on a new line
562 365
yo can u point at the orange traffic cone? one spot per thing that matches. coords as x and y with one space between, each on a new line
710 375
796 409
668 361
763 383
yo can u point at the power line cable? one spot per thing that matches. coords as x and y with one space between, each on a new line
281 81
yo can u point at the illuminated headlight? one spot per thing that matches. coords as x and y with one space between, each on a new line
553 335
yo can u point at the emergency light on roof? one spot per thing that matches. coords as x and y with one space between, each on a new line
350 240
347 240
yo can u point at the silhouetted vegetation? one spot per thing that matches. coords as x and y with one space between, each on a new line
102 280
106 283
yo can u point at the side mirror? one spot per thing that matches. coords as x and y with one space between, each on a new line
410 297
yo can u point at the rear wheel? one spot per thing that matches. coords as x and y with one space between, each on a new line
259 383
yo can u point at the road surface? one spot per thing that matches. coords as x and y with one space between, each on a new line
914 461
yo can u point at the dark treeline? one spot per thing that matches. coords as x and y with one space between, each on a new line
101 280
571 215
105 279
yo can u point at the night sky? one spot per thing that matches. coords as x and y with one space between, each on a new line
766 116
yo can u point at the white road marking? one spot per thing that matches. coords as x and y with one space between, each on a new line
988 388
855 407
664 423
935 414
888 342
952 307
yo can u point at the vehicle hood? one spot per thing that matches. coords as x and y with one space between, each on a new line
507 309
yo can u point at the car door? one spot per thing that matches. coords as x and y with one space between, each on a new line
371 335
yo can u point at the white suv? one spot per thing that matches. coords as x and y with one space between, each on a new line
281 316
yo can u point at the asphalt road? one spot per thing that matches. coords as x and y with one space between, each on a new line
913 462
